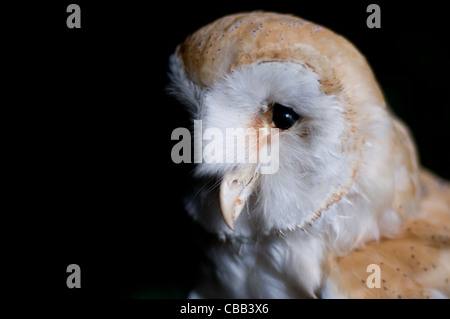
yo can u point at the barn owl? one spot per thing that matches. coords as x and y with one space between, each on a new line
349 191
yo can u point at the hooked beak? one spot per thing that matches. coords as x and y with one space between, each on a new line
235 189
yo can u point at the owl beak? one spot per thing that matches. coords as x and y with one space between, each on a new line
235 189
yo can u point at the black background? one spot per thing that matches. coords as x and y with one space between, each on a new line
98 187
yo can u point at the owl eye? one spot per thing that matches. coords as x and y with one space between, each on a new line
283 117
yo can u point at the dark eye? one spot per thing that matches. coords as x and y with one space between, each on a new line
283 117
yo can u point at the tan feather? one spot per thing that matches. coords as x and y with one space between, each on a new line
413 264
245 38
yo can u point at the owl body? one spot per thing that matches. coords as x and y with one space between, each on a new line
348 182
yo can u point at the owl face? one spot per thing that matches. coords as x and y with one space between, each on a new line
313 162
311 87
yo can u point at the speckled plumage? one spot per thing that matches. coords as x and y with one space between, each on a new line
349 192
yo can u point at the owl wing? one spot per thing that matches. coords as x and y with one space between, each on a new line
416 264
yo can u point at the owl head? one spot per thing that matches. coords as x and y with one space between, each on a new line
318 96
